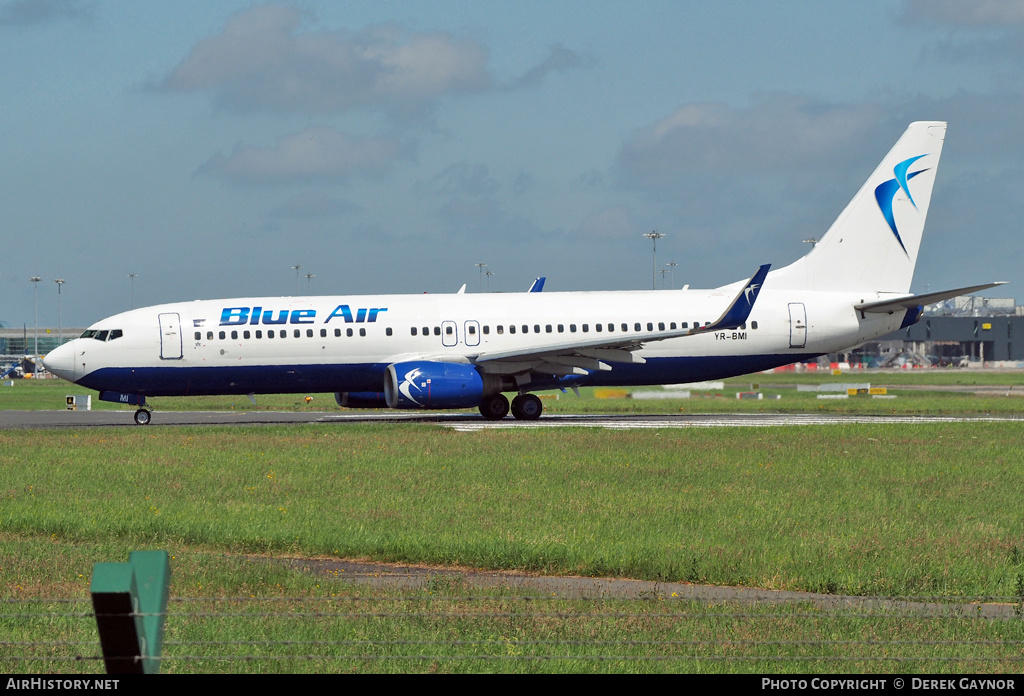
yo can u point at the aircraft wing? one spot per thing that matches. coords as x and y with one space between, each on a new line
580 357
913 301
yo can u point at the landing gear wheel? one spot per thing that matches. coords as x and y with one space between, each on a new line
494 407
527 407
142 417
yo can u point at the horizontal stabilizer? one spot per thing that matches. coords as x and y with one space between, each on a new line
912 301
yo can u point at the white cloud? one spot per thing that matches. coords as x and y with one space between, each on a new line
318 152
37 12
957 13
266 60
778 132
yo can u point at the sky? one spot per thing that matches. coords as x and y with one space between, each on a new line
208 148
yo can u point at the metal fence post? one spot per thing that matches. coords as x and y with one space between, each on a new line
130 603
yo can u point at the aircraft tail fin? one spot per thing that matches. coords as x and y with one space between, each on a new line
872 246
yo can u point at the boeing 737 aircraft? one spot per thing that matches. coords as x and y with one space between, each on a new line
464 350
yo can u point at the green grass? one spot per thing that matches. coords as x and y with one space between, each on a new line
243 614
882 510
893 510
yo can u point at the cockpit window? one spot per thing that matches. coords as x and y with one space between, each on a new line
89 333
101 335
116 333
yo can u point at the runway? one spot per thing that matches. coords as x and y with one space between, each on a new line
465 422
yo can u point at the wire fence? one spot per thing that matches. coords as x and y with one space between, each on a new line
422 631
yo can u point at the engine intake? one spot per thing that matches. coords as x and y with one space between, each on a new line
426 384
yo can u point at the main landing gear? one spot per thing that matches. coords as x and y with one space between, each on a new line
142 416
524 407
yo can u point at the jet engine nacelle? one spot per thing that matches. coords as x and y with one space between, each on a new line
361 399
425 384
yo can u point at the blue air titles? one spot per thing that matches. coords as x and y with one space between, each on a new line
254 316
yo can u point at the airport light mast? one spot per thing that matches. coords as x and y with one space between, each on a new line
481 266
654 237
60 318
35 330
132 277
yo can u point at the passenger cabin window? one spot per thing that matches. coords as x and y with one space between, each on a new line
199 335
222 335
753 324
387 331
413 331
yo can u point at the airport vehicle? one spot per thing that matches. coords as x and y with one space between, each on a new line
467 350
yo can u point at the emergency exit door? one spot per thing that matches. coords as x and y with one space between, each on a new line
797 325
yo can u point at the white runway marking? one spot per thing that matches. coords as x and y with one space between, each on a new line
715 421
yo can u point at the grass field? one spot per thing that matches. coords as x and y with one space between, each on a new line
871 510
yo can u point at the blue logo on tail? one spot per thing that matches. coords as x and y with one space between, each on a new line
887 190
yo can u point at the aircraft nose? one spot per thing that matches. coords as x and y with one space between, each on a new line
61 361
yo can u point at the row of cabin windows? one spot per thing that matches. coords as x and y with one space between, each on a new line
426 330
283 333
573 328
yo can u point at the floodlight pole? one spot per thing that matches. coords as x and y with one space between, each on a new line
132 277
35 286
654 237
481 266
309 277
672 274
296 268
60 318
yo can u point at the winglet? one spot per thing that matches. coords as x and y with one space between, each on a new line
741 307
538 285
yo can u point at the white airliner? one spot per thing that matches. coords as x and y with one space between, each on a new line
465 350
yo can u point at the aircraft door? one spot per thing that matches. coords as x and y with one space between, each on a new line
449 334
797 325
170 336
472 333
